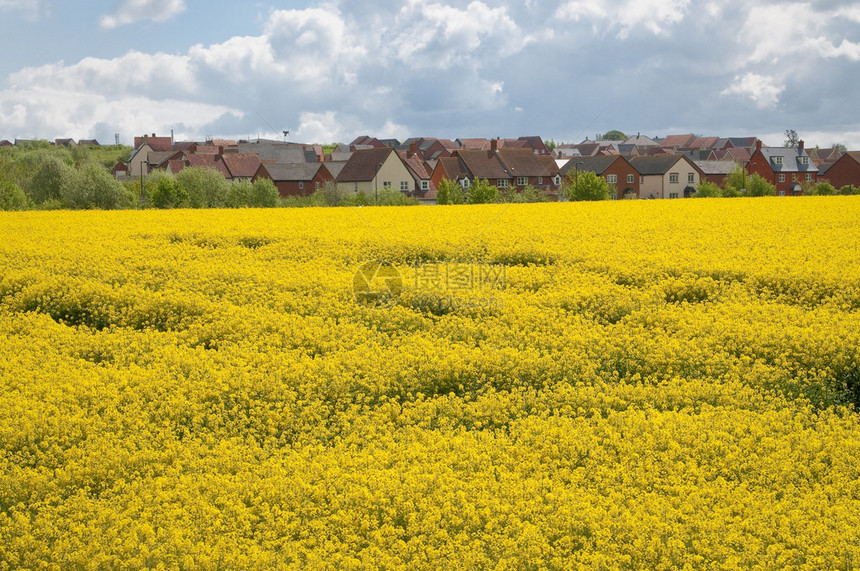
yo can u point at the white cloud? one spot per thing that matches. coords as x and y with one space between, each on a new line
131 11
656 16
30 8
762 90
332 126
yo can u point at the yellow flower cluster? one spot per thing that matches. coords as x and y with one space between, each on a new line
630 385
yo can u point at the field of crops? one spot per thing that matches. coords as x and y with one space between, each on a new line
625 385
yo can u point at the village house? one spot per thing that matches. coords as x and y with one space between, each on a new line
672 176
844 172
296 179
623 179
375 169
787 168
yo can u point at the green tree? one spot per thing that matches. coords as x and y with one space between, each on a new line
166 192
205 187
482 192
49 176
758 186
707 189
449 192
823 188
12 197
792 139
848 189
614 135
264 194
239 194
585 185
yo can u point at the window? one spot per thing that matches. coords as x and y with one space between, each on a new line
673 178
782 193
630 179
301 185
355 186
804 160
641 180
465 183
540 180
794 178
316 186
386 184
557 180
502 183
673 195
612 178
809 177
782 178
777 160
404 186
691 178
425 185
522 180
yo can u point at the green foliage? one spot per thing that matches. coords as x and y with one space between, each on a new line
758 186
527 195
482 192
205 187
12 197
823 188
92 186
450 192
48 179
165 192
614 135
585 185
707 189
264 194
848 190
391 197
239 194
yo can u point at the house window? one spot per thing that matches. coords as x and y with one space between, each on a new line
782 193
777 160
355 186
641 180
465 183
630 179
612 178
557 180
809 177
316 186
425 185
782 178
804 160
404 186
386 184
794 178
691 178
673 178
522 180
673 195
540 180
301 185
502 183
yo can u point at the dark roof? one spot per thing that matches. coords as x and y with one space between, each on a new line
364 164
335 167
207 161
280 172
597 165
483 164
453 167
161 157
414 164
790 159
677 140
658 165
89 143
155 143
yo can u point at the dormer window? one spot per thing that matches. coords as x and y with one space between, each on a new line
804 160
777 160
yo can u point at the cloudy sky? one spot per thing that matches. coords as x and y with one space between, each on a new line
333 70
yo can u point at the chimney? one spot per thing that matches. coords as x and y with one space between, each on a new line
800 145
413 150
153 135
220 150
758 144
494 144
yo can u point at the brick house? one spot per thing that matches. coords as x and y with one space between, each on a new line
295 179
621 176
716 171
845 171
486 165
241 165
453 169
527 168
787 168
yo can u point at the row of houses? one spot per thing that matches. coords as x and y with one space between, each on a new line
641 167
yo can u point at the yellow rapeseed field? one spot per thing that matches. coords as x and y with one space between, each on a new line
626 385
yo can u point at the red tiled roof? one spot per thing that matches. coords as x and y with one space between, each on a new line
155 143
523 162
415 165
241 165
208 161
678 140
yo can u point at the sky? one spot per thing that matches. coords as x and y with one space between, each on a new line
334 70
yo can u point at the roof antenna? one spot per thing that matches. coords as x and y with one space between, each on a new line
285 135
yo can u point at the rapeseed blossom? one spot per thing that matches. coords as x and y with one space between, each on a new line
660 384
